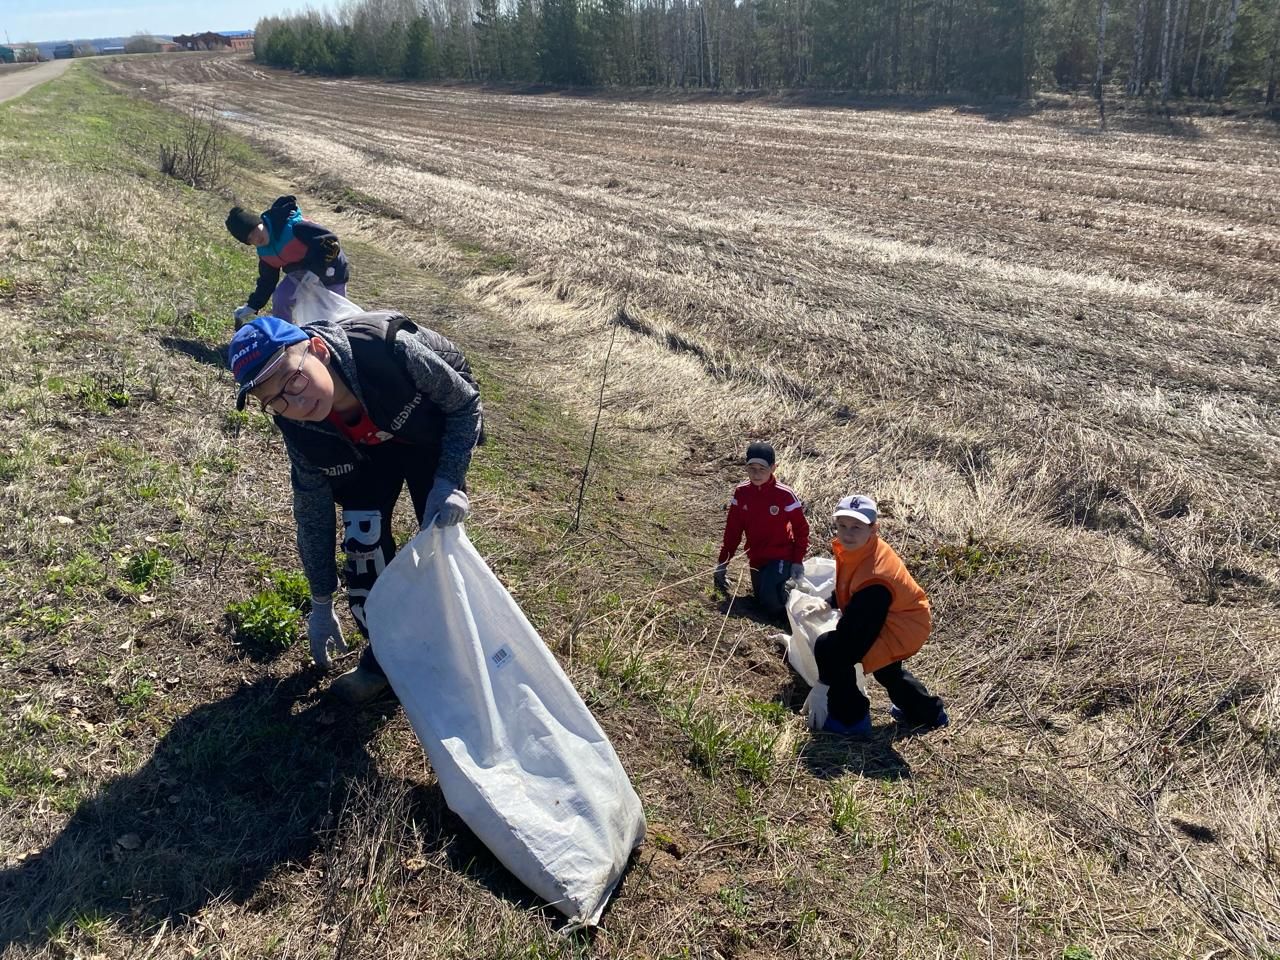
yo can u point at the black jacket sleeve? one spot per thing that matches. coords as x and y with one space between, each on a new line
862 620
268 277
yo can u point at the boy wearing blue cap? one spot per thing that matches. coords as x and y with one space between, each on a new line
286 242
366 405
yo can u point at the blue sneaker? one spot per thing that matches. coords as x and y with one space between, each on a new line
860 729
900 718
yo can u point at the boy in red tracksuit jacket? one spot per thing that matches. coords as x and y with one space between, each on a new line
772 517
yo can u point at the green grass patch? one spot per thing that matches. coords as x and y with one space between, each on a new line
147 568
138 695
848 812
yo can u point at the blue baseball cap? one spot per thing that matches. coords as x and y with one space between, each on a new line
857 506
256 349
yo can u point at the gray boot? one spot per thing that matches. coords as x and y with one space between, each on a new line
359 685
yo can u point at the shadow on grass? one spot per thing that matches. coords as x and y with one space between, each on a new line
746 608
829 757
196 350
468 857
235 789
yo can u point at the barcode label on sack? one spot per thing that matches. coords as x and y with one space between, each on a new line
501 657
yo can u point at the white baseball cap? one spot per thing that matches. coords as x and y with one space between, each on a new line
857 506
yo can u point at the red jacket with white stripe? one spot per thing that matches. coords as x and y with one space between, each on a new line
772 517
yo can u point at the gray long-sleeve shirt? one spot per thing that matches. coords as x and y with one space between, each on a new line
313 498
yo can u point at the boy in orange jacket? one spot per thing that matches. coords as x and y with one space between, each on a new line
884 620
772 517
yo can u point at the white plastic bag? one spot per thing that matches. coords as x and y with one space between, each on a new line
811 616
519 756
313 301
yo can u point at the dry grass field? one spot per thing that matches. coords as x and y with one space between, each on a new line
1051 354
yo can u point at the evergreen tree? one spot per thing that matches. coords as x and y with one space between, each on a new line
419 53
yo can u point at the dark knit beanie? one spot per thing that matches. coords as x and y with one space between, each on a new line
760 451
241 223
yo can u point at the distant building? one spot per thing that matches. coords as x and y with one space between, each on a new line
209 40
19 53
240 39
202 41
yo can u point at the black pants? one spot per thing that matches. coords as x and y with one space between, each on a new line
768 583
368 501
839 651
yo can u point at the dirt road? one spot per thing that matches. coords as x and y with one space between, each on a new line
14 83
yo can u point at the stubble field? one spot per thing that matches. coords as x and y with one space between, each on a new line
1052 356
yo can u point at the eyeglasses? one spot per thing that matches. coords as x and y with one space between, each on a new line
295 386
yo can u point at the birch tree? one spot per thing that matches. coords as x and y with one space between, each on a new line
1166 44
1272 53
1210 14
1224 52
1102 52
1139 47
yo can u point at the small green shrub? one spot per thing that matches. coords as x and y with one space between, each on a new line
268 622
709 740
103 397
148 568
769 710
293 587
138 694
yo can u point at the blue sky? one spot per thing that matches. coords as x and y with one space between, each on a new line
30 21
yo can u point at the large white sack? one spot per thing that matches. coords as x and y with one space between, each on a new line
313 301
519 756
811 616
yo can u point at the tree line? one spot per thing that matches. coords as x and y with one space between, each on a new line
1155 48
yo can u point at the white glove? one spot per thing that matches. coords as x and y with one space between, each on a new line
797 572
722 577
815 705
244 314
324 631
446 503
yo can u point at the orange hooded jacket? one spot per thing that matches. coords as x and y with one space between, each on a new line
907 625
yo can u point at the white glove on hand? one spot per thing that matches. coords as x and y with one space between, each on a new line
722 577
244 314
797 572
815 705
324 631
446 503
